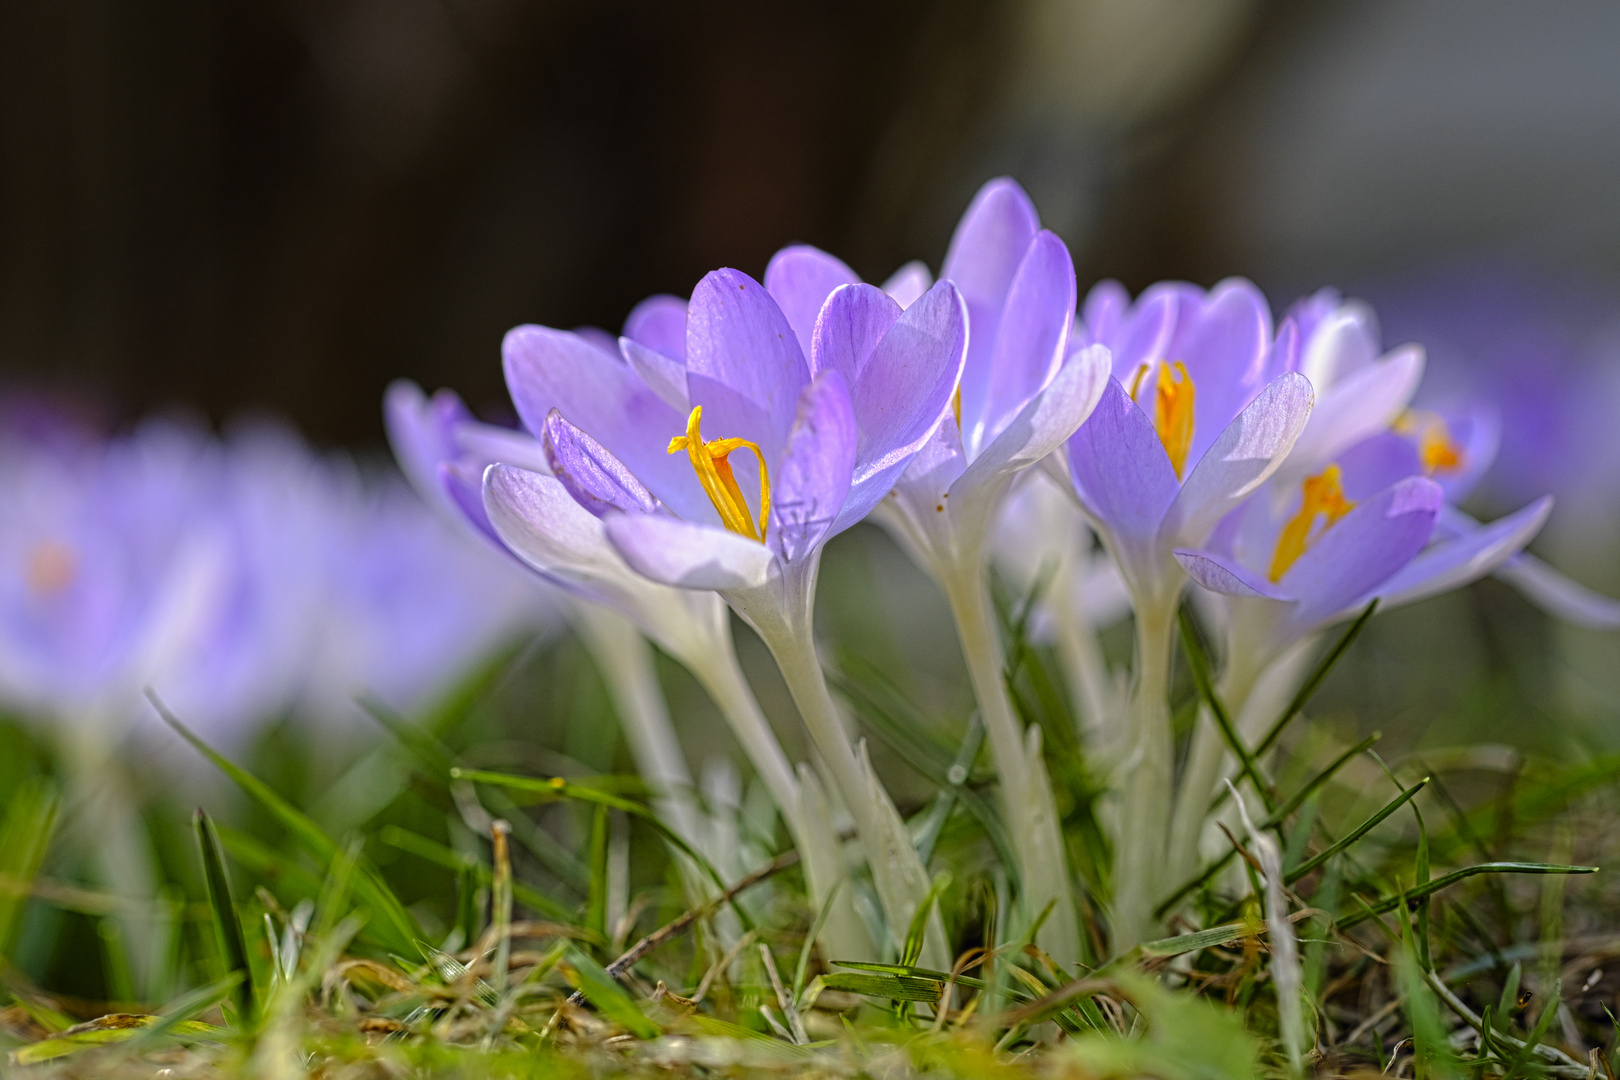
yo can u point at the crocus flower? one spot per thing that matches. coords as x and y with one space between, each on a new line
1021 395
1297 558
112 573
447 452
1519 368
731 470
1194 421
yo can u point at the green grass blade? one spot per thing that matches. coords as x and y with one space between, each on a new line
30 823
919 920
435 760
596 898
1355 834
397 930
1277 817
227 921
608 996
1537 1033
435 852
1320 672
803 968
1390 903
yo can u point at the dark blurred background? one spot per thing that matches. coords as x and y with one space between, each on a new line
283 204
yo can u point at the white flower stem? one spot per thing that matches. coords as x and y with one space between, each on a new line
1091 690
807 820
1145 778
1027 800
1205 767
897 872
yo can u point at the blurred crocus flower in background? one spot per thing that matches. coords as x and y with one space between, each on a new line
114 570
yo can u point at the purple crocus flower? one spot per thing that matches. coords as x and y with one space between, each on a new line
112 575
820 434
1303 557
821 440
1187 428
1195 419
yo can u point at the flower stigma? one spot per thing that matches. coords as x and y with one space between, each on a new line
1173 413
1322 497
709 461
52 566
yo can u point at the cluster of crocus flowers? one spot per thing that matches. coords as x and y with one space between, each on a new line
713 451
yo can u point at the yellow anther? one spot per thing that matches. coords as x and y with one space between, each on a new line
1173 413
1322 497
1436 449
709 461
52 566
956 406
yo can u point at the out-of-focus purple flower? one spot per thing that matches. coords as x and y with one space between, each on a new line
1300 557
1522 351
110 577
409 603
1192 423
1540 350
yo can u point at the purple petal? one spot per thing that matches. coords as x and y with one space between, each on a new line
1342 342
1544 586
813 475
902 387
1047 421
418 432
1358 407
593 476
1105 309
663 374
737 338
1244 454
984 255
1456 562
689 555
539 522
1224 340
1558 595
1224 574
907 284
1144 333
659 322
1480 434
1363 550
799 279
461 482
848 327
1030 340
1374 464
600 340
1120 469
550 369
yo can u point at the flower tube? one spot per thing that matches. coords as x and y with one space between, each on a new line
1191 424
805 448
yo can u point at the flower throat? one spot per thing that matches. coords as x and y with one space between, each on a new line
1173 412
